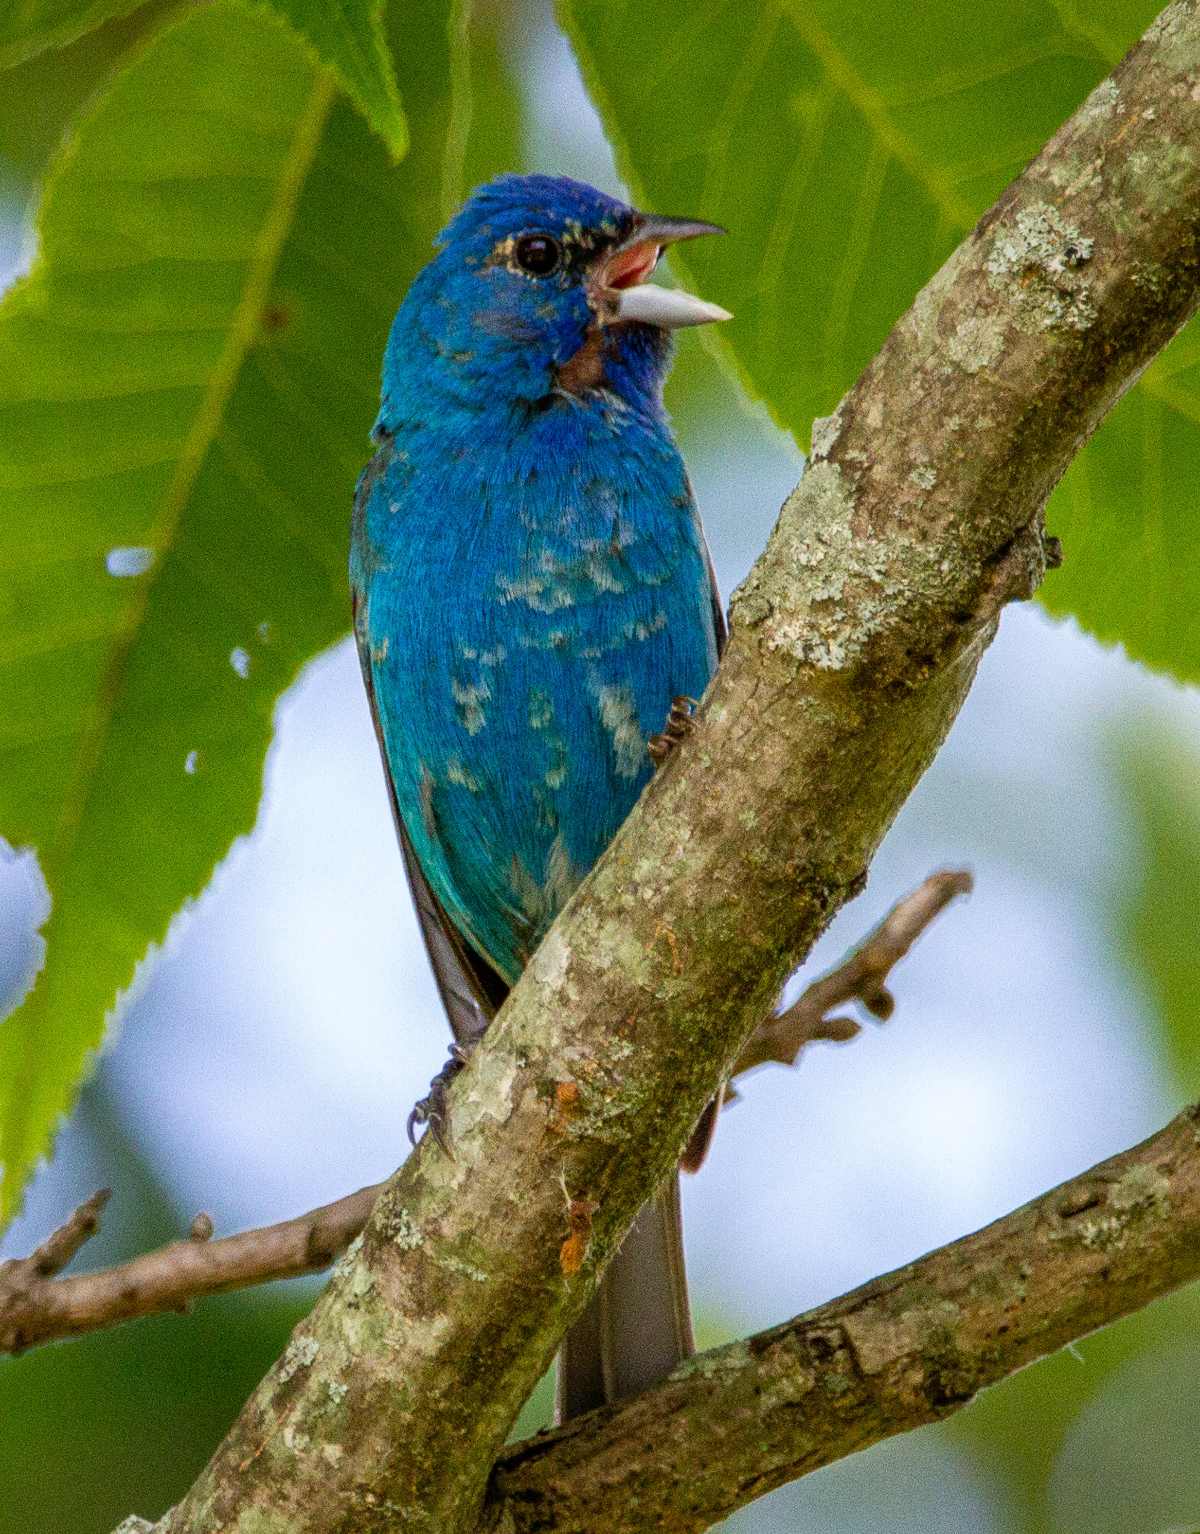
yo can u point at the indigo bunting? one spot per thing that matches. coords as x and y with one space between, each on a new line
531 591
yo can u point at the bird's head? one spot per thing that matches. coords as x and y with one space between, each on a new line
540 290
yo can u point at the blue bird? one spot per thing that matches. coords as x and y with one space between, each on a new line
531 592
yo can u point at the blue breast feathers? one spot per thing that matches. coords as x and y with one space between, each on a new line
530 598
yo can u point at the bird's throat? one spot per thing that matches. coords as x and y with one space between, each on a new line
584 372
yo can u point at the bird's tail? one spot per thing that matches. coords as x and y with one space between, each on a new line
638 1325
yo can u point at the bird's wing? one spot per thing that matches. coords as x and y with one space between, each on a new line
470 989
720 622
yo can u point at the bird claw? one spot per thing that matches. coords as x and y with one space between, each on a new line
680 724
431 1109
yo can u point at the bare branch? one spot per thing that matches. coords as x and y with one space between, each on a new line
22 1278
58 1248
904 1350
859 977
37 1307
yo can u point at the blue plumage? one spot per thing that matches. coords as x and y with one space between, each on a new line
530 578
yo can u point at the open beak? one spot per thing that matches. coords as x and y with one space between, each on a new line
623 273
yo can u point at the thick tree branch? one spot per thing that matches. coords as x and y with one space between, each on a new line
854 642
904 1350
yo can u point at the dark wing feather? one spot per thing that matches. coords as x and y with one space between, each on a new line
720 623
470 989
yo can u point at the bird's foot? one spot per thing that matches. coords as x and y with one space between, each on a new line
431 1109
680 724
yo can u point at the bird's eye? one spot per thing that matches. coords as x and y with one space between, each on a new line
538 254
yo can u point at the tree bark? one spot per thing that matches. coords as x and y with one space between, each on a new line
854 642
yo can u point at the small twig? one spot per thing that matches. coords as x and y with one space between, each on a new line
201 1228
24 1278
58 1248
36 1307
859 977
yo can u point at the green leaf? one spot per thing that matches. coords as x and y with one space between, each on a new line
348 37
187 379
485 130
31 26
39 96
1155 912
1126 514
848 148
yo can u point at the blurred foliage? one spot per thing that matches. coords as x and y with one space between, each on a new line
849 147
39 98
29 28
1157 911
124 1420
1020 1427
347 39
486 126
